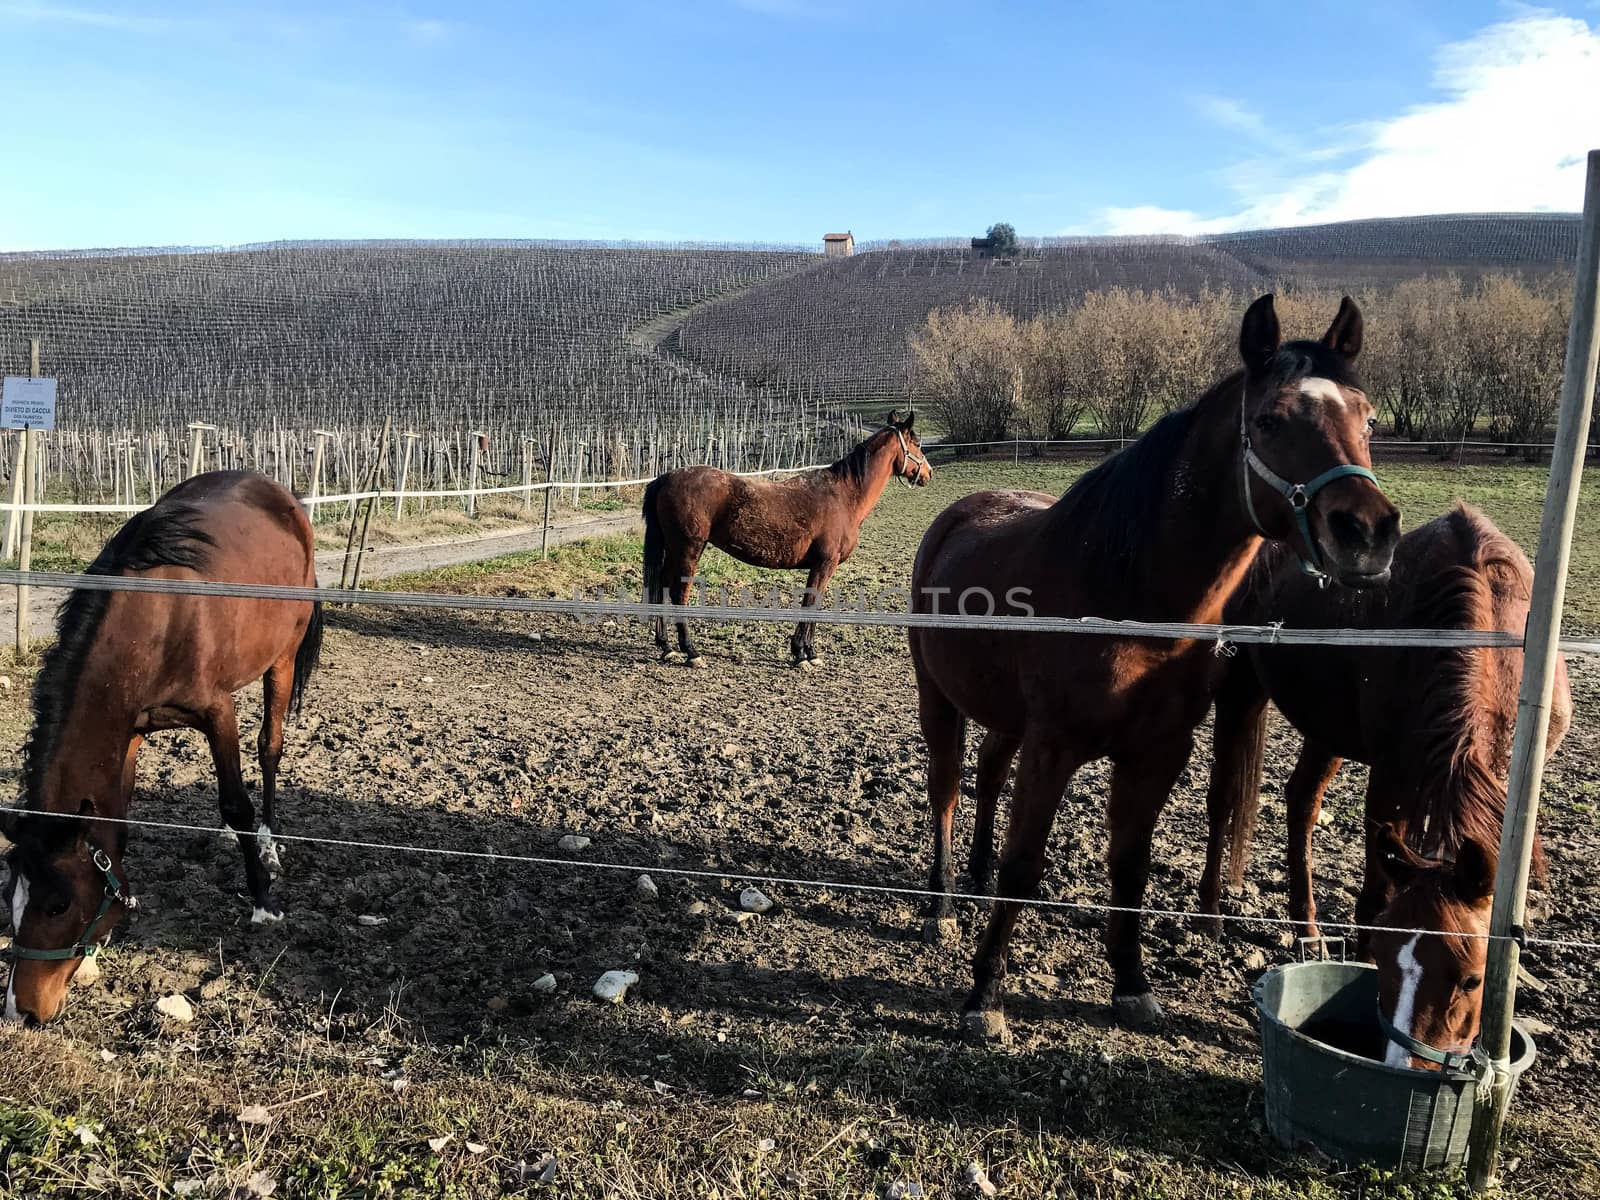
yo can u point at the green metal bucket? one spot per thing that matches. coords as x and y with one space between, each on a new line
1342 1098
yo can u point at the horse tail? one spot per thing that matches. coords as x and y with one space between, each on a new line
655 544
306 657
1244 805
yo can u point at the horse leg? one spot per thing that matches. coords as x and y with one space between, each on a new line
1234 793
683 565
1139 790
800 645
1302 795
945 731
276 686
221 727
994 764
130 769
1043 772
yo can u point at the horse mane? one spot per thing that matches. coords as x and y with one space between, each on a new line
167 535
1123 499
853 466
1461 796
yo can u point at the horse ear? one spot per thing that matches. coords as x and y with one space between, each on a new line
1344 335
893 413
1474 871
909 421
1259 336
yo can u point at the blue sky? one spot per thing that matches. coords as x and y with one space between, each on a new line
163 122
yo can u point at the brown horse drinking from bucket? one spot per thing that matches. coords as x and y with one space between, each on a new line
1435 726
810 521
1163 531
129 663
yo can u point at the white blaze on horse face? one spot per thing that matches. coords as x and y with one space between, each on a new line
1405 1005
19 905
1314 387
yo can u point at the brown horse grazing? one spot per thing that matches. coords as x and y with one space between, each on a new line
1430 987
1435 726
129 663
1163 531
811 521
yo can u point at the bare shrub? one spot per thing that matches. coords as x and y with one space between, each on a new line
967 364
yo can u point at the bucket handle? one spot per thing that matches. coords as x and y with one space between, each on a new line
1320 949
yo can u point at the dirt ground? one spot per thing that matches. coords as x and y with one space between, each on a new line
807 1051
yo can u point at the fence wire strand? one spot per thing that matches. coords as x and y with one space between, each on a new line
823 885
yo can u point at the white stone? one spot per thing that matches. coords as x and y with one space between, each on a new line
613 985
753 900
545 984
176 1008
572 843
647 888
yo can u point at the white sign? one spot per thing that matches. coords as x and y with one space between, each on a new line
28 403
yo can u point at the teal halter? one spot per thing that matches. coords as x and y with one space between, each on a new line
85 946
1299 496
1474 1062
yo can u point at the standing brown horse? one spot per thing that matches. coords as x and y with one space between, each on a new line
127 664
1435 726
810 521
1163 531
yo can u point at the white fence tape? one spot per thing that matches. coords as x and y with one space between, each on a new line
594 611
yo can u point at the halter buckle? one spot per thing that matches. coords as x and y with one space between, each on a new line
102 861
1298 500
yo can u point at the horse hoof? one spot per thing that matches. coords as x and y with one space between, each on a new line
941 931
266 916
88 971
1141 1011
1209 926
697 663
986 1027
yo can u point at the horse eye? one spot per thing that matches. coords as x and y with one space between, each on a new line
1471 983
1372 424
57 908
1269 422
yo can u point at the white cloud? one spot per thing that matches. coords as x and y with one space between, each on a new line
426 31
1519 106
61 15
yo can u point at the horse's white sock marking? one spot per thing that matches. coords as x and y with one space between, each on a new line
270 857
11 1003
1317 388
1405 1005
262 917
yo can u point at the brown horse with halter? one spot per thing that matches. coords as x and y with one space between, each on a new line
811 520
1435 727
127 664
1163 531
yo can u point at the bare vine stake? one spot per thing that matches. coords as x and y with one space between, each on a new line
400 481
1539 657
371 502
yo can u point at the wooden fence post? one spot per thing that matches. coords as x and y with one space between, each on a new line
30 496
316 471
400 480
1539 658
373 485
197 446
472 472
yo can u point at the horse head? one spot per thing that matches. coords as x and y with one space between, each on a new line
1305 417
1430 982
911 465
66 894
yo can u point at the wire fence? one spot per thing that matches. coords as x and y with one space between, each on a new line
597 610
823 885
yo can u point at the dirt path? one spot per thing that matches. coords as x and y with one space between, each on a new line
383 562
